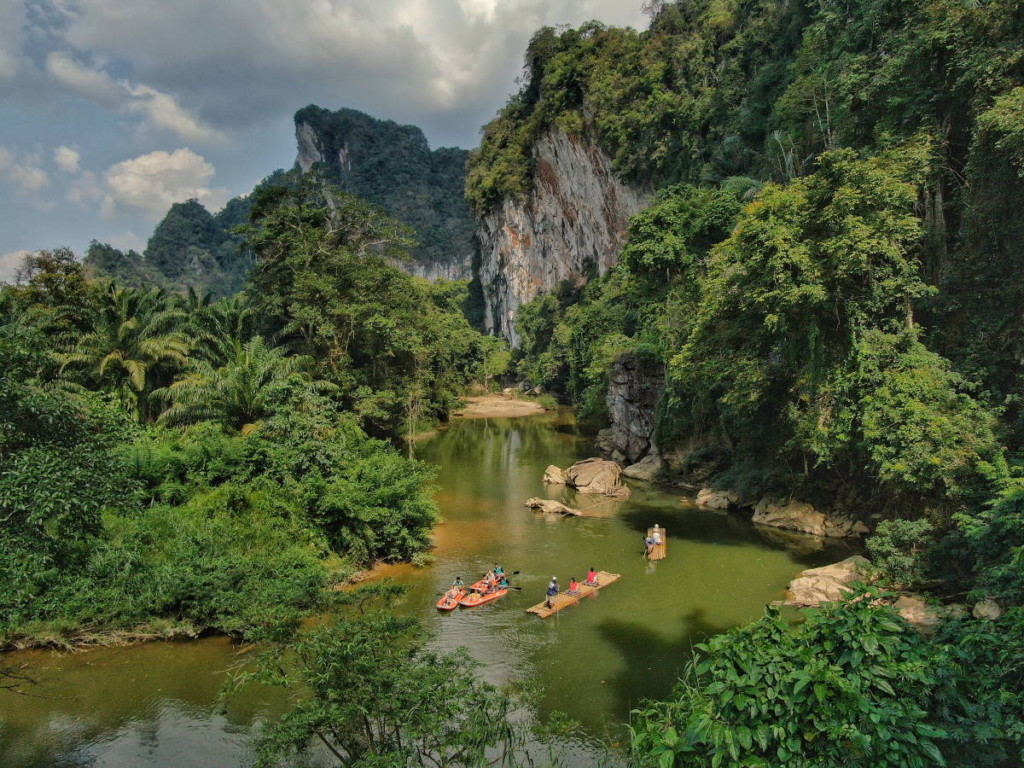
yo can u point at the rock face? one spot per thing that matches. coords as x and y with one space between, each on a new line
634 388
572 223
828 583
392 166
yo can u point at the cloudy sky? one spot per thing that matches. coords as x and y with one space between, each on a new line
110 110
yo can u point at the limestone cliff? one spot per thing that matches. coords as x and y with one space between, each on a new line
392 166
570 225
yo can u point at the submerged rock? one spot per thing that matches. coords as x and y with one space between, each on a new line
551 506
828 583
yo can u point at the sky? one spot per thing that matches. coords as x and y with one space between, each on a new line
111 110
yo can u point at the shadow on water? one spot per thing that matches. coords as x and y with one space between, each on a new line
653 662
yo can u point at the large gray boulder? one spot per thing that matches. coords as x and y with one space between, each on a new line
648 468
596 476
790 516
828 583
716 501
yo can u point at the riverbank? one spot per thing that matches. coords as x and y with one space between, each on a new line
496 406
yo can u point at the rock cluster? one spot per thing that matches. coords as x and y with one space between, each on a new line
594 476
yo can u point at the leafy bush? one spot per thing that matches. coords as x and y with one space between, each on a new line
897 550
852 685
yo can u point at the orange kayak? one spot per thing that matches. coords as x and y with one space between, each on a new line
450 599
479 598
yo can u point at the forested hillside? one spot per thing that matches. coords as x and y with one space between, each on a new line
173 463
823 291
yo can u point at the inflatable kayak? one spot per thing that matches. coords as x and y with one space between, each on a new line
450 599
479 598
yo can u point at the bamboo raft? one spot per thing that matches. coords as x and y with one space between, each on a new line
564 599
658 551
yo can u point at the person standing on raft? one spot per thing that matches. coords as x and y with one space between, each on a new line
552 591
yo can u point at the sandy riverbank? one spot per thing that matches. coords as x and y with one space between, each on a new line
496 406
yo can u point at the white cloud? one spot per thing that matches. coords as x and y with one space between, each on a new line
151 183
24 173
10 263
67 159
158 110
448 63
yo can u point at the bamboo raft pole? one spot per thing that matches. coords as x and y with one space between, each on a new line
564 599
658 551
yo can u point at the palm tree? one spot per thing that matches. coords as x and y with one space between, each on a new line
135 340
250 385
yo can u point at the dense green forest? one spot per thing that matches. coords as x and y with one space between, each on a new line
177 463
826 282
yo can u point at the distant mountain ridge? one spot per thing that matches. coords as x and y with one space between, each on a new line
385 163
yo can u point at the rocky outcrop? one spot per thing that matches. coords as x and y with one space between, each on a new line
634 388
716 501
828 583
551 507
798 516
594 476
571 224
648 468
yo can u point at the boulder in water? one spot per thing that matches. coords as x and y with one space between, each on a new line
598 477
716 501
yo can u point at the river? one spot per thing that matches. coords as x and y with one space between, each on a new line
158 704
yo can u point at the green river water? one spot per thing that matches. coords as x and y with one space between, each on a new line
157 704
